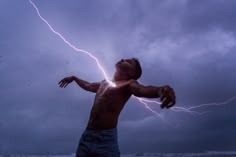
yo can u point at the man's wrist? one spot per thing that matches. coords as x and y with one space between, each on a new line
73 78
159 91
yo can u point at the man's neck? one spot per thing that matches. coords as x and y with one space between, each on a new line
119 77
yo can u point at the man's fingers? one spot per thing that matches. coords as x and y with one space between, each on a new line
172 100
171 104
62 84
168 102
162 98
165 102
61 81
167 97
164 93
66 85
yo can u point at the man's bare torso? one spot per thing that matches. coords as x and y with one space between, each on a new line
108 103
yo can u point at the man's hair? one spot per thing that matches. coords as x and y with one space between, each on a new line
138 69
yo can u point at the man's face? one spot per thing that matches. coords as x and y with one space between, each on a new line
126 65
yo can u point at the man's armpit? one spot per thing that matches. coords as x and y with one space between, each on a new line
134 87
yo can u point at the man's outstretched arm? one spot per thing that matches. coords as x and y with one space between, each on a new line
92 87
165 93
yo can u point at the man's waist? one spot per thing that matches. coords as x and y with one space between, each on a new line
105 135
100 128
101 125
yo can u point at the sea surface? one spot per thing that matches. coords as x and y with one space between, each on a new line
206 154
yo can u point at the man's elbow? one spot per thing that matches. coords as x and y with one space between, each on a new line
89 87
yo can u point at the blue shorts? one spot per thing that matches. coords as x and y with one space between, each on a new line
98 143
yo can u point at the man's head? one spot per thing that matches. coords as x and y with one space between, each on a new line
131 68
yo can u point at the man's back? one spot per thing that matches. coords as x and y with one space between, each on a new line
108 104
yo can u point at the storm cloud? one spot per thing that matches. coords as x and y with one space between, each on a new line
189 45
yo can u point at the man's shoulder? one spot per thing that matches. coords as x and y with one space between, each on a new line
130 81
133 81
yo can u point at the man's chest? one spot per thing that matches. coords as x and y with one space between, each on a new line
105 89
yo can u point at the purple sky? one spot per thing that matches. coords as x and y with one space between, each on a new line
189 45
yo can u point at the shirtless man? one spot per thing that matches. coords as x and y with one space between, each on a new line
100 136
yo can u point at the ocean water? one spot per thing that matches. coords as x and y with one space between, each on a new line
206 154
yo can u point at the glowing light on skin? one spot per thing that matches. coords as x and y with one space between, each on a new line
72 46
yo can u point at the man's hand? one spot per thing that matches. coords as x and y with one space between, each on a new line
64 82
167 96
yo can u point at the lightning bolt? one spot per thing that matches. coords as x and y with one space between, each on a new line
189 109
176 109
86 52
72 46
142 100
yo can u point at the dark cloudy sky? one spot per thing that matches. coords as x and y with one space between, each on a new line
187 44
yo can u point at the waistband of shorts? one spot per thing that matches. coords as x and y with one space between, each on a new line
98 136
112 130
